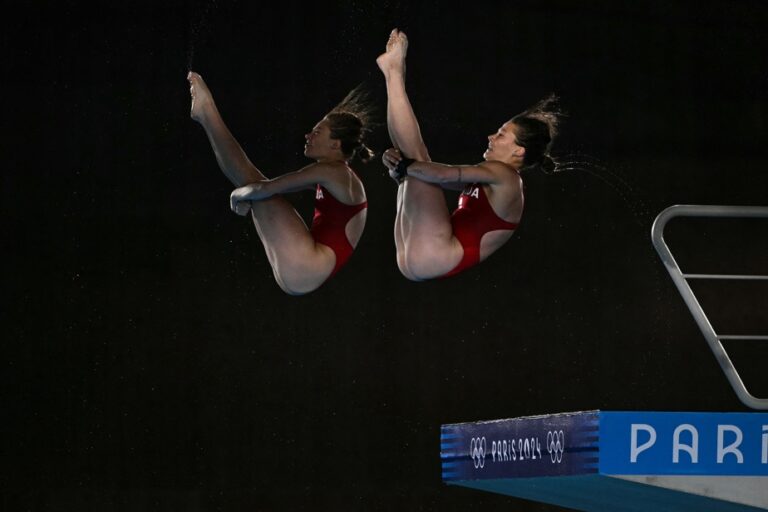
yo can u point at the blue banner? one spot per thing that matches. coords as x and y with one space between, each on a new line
553 445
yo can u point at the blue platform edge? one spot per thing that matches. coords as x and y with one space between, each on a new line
599 493
606 443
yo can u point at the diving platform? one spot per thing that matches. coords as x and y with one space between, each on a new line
616 461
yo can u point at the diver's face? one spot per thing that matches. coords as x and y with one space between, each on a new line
319 143
502 145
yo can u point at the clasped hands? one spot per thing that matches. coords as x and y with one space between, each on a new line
240 198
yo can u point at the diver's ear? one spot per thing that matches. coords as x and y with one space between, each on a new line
335 144
520 151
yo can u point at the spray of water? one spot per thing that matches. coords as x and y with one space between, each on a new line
620 184
199 27
642 215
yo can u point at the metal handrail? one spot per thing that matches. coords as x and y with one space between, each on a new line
680 280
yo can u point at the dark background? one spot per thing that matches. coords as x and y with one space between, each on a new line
150 360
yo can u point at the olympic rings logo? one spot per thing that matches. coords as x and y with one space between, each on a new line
556 445
477 451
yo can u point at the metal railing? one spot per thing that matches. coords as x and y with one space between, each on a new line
681 281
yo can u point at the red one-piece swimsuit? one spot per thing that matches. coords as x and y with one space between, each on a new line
330 222
473 218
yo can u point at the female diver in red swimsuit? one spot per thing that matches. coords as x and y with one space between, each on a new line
430 241
302 259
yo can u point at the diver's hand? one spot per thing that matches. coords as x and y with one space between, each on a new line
240 198
391 157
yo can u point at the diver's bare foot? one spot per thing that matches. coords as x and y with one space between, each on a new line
393 60
202 101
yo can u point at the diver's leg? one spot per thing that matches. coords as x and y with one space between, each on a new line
231 158
427 247
402 124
